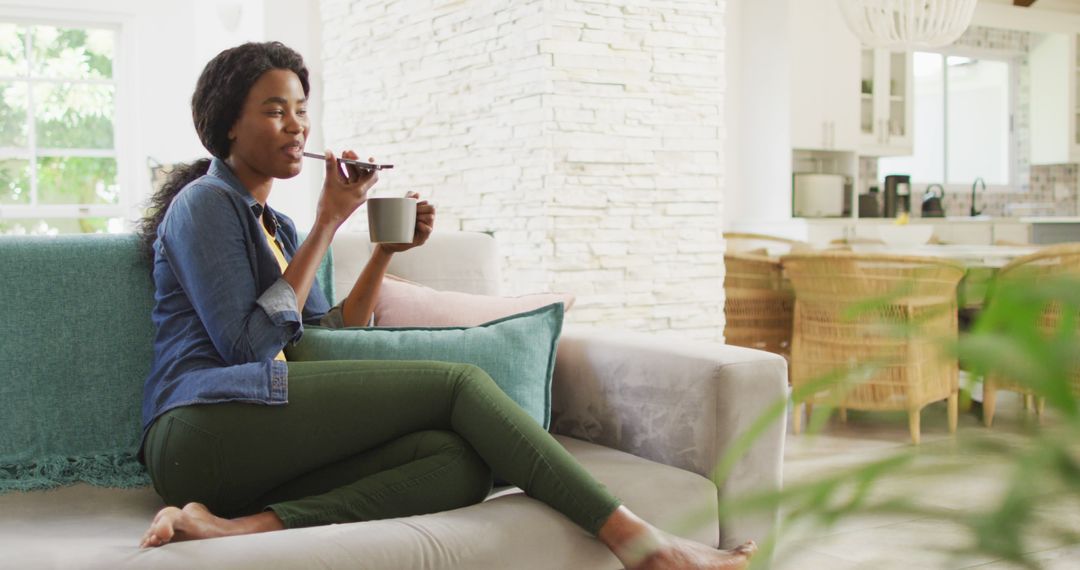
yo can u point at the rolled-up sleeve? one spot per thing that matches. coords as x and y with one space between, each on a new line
204 242
279 302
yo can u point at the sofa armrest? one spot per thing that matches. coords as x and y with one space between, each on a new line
678 402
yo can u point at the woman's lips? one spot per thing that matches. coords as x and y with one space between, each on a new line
294 151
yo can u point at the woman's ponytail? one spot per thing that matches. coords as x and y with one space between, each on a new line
181 175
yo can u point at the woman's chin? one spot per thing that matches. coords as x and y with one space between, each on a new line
289 170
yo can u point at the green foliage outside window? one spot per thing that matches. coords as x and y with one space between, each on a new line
64 77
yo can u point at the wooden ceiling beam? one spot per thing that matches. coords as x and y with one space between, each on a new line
1024 3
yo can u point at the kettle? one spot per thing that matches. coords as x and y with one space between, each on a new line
931 202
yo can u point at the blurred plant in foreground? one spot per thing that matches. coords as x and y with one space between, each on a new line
1026 336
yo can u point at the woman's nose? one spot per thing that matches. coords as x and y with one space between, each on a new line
296 123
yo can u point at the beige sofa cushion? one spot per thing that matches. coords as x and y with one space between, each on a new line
89 527
450 261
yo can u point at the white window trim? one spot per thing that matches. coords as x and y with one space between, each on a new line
127 165
1013 59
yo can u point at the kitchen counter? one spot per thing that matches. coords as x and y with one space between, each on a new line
957 219
978 230
1050 220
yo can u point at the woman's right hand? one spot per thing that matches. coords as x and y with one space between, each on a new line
343 192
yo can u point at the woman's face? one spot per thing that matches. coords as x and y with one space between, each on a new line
268 137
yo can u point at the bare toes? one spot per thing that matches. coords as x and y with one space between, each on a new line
162 529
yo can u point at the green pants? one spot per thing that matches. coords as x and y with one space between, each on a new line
367 440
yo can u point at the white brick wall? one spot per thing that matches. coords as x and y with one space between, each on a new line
586 135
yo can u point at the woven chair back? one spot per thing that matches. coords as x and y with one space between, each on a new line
891 313
758 304
1057 261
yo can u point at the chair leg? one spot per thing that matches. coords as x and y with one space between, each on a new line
954 411
989 403
913 425
809 412
1040 407
843 415
796 419
1028 402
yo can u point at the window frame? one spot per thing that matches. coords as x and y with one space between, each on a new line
123 117
1013 61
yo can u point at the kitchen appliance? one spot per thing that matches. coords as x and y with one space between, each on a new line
897 195
816 195
931 202
870 204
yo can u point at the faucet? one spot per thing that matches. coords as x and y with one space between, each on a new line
974 185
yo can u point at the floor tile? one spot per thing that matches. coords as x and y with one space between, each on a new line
957 476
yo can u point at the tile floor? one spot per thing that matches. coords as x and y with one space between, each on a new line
915 541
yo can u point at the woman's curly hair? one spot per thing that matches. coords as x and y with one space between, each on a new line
215 106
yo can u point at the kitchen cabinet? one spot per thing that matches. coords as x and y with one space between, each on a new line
824 76
966 233
1055 116
886 103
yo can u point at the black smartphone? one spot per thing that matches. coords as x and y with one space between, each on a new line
364 165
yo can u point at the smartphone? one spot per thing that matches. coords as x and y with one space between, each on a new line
364 165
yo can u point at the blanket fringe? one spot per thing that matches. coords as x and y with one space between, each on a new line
120 470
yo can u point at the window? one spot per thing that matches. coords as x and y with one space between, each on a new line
58 151
963 122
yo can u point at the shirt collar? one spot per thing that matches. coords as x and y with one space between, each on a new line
220 169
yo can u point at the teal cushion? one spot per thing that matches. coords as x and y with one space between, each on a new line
518 351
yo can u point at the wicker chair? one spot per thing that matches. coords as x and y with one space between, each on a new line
909 370
1055 261
758 301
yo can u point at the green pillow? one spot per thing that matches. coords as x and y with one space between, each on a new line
518 351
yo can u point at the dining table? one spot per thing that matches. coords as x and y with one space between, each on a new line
981 263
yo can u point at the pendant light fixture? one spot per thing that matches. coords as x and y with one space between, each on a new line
907 24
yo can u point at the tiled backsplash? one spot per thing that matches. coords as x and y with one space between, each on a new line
1053 192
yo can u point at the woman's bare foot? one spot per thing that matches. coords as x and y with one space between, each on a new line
641 546
195 521
681 553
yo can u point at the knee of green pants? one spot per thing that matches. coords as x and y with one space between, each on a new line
184 461
470 373
471 478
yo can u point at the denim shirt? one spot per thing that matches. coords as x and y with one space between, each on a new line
222 309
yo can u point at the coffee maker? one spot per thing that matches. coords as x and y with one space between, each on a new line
897 195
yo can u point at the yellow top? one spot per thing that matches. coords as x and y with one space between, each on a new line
282 262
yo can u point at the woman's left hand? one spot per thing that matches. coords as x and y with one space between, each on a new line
425 224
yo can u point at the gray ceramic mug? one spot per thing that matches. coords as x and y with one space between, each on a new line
391 219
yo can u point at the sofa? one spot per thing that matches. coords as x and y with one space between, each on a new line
649 415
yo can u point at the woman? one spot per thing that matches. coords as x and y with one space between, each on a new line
248 442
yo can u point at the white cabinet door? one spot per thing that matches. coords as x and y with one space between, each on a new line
840 73
824 77
968 233
1011 232
886 103
809 128
897 104
1055 117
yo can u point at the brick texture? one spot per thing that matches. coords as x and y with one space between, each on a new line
585 136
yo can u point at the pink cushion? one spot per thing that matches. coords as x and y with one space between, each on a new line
402 303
